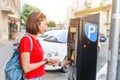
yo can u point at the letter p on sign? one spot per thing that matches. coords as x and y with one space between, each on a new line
91 31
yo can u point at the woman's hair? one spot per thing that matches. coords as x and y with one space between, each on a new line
33 22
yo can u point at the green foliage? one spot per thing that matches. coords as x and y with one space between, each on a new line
51 24
26 11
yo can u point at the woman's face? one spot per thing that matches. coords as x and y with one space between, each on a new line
43 26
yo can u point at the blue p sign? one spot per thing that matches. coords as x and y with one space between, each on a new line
91 31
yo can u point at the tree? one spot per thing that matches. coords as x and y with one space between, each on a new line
51 24
27 9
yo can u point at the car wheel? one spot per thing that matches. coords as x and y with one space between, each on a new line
65 68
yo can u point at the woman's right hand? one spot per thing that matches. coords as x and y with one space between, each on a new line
53 62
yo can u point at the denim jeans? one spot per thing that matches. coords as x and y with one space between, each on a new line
38 78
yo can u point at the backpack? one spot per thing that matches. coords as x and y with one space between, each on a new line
12 69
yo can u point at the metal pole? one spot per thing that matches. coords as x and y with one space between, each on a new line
114 37
118 62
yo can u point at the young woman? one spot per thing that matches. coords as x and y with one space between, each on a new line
32 61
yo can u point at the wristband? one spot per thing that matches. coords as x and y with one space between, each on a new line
46 61
60 64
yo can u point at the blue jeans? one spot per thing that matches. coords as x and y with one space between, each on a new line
38 78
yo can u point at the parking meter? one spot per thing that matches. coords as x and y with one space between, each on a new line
82 46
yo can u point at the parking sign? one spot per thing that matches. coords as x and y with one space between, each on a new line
91 31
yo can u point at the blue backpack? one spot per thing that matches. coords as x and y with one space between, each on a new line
12 69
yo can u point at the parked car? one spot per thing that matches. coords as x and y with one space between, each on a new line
54 45
102 38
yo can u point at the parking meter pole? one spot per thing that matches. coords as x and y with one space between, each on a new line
118 25
114 37
118 63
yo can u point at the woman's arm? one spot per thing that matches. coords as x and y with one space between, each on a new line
27 67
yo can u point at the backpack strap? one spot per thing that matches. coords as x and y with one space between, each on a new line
31 43
31 47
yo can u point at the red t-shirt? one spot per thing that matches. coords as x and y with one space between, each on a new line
36 55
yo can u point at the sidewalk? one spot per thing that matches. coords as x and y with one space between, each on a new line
102 73
6 50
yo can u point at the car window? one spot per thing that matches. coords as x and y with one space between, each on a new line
49 33
58 36
51 39
46 34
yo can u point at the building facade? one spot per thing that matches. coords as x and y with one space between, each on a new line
9 13
86 7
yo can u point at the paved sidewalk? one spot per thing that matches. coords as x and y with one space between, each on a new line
6 50
102 73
